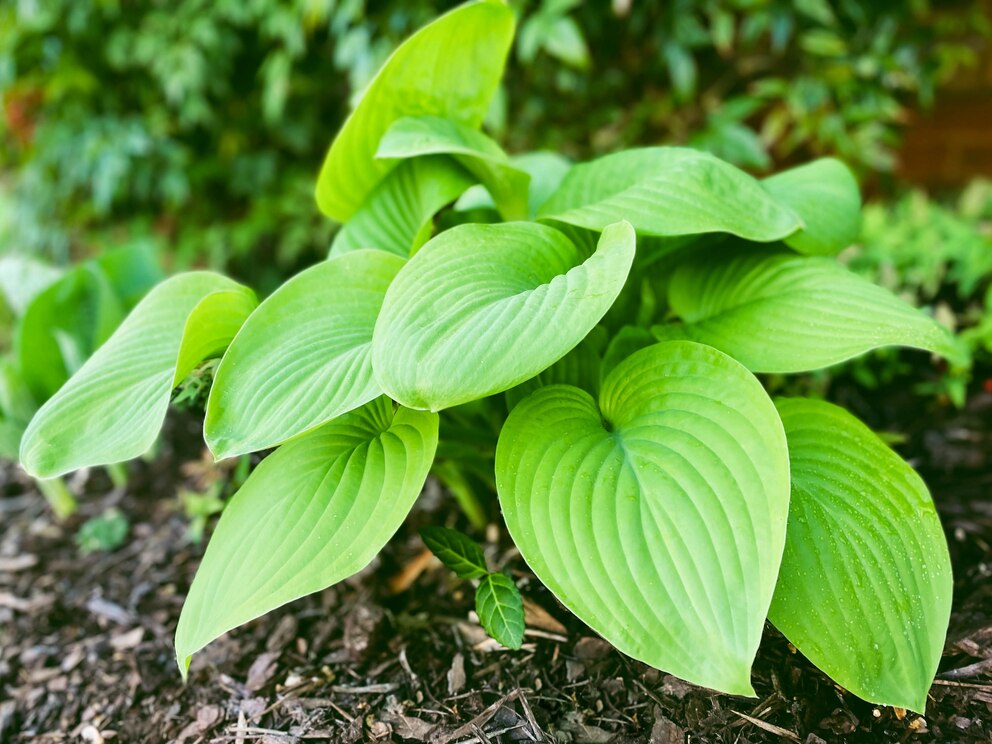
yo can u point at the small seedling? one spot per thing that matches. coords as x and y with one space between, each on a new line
497 600
103 533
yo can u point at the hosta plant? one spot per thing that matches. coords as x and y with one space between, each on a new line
588 346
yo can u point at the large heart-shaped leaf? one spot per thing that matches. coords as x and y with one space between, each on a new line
464 50
112 408
417 136
397 216
865 585
303 357
775 311
316 511
482 308
669 191
825 194
657 516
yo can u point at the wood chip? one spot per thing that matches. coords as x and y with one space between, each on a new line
769 727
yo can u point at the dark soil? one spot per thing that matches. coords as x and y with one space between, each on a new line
395 654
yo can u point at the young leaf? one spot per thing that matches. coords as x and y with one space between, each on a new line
865 585
775 311
417 136
669 191
464 52
112 408
825 194
501 609
546 171
397 215
315 511
657 516
63 325
456 551
482 308
303 357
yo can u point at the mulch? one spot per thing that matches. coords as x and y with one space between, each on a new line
396 654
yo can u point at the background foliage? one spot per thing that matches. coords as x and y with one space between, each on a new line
200 124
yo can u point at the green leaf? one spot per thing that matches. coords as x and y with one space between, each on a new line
417 136
314 512
657 516
775 311
456 551
397 215
546 171
302 358
501 609
865 586
628 340
63 325
464 50
132 269
112 409
482 308
580 367
22 278
825 194
669 191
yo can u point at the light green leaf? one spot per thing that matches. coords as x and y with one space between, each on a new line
63 325
417 136
501 609
397 214
580 367
775 311
482 308
865 585
464 50
825 194
315 511
628 340
22 278
657 516
112 409
132 270
456 551
302 358
669 191
546 171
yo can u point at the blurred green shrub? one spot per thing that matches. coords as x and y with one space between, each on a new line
196 123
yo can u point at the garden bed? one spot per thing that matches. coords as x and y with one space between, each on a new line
394 653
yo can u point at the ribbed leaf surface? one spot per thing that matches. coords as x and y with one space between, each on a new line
315 511
775 311
303 357
669 191
417 136
865 585
482 308
657 516
112 408
397 216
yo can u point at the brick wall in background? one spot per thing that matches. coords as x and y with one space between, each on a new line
951 144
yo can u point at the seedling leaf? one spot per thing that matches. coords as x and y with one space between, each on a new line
501 609
455 550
